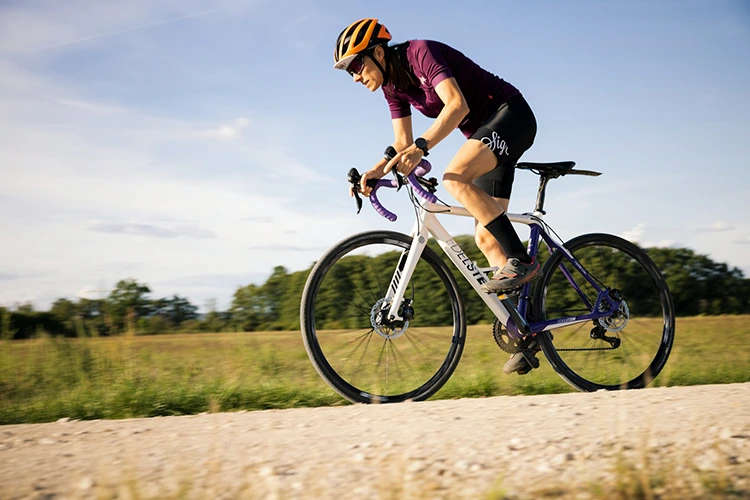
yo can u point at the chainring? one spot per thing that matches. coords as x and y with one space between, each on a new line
507 343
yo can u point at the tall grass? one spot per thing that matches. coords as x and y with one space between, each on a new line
45 379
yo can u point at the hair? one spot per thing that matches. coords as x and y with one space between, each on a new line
399 72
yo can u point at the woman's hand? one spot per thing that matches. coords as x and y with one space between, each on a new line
405 161
363 187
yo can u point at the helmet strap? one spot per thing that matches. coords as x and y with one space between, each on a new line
384 72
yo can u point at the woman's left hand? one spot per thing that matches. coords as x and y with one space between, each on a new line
405 161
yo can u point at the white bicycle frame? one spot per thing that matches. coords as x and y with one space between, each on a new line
427 224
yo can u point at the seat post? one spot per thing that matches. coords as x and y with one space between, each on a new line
543 180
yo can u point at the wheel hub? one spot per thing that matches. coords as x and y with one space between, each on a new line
617 322
380 323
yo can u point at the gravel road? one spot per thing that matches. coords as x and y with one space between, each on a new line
674 442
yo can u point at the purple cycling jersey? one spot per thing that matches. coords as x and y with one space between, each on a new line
432 62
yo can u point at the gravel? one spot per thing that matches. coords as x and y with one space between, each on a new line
661 440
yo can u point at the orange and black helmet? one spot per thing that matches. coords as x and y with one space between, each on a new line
358 37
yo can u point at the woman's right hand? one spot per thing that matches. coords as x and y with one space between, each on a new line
363 187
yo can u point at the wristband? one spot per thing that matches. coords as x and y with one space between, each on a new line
421 143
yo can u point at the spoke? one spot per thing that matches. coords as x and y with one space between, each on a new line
373 297
363 339
417 341
636 340
566 336
397 352
355 376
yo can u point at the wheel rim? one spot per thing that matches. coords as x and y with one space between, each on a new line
622 351
367 359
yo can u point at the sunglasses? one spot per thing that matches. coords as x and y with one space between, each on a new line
357 65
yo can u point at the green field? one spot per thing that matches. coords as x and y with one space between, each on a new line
46 379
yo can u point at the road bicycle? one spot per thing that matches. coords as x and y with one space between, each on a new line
383 319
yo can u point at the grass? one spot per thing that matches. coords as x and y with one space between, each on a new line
45 379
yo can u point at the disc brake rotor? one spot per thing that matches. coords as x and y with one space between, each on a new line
386 329
618 321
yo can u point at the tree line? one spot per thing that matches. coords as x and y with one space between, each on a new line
698 285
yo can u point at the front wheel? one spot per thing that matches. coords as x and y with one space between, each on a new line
355 347
626 348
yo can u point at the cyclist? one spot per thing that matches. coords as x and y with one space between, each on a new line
444 84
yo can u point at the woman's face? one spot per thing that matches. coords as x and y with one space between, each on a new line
370 76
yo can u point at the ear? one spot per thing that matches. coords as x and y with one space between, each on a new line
379 54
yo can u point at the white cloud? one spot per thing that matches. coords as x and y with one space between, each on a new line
660 244
50 25
745 241
716 227
150 230
226 132
85 185
636 234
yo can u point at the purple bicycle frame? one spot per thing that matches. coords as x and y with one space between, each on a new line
537 232
602 296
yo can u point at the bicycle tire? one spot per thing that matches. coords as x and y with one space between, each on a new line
643 342
326 303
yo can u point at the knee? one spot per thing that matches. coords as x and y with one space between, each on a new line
455 184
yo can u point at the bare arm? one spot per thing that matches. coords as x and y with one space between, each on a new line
402 138
454 111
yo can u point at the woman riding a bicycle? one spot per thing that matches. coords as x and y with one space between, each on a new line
444 84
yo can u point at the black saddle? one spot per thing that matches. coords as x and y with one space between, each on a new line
554 170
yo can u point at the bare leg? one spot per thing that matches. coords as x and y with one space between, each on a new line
487 243
471 161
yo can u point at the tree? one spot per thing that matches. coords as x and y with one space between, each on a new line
65 312
214 320
248 310
128 302
260 307
699 285
176 310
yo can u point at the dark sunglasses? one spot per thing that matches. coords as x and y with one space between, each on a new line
357 65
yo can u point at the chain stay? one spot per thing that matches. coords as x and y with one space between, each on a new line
587 349
580 348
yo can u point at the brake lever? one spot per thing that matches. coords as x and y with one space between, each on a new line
400 182
353 177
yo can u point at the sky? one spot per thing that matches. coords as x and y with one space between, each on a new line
195 145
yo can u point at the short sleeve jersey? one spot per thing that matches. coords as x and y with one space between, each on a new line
431 63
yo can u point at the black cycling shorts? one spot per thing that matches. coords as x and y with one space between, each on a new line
509 132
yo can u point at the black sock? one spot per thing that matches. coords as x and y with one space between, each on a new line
502 229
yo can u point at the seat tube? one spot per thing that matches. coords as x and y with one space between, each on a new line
533 247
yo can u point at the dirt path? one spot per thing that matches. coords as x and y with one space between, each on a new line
690 439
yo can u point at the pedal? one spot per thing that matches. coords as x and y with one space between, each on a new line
509 294
531 359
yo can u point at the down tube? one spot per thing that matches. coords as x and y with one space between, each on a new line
473 275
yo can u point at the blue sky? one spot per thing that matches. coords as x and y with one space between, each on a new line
194 145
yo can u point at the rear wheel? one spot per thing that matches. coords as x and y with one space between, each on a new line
351 342
624 350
